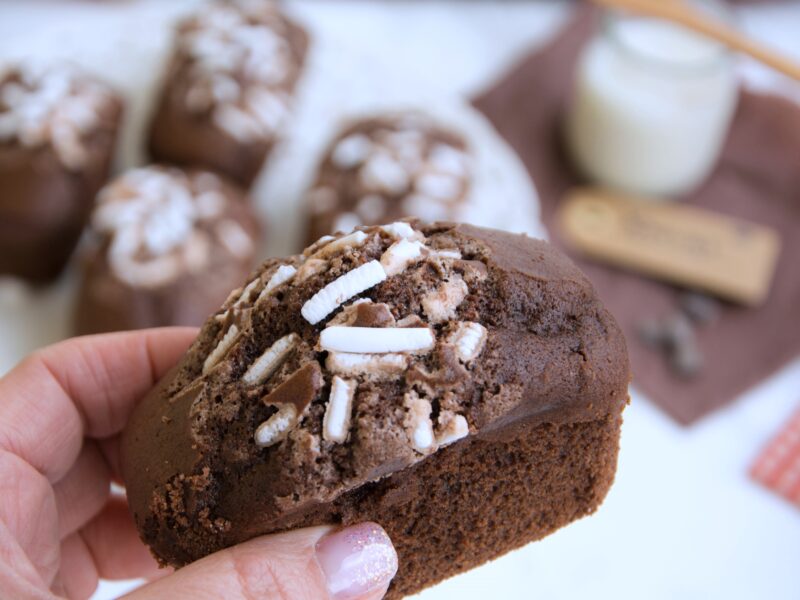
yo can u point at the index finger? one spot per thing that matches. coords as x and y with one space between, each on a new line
81 387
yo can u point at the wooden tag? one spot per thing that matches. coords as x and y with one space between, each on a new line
681 244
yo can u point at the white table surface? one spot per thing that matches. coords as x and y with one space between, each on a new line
682 520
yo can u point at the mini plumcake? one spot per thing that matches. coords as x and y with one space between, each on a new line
383 168
165 248
229 87
58 127
462 387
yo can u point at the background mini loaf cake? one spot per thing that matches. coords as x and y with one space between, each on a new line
57 132
460 386
165 247
229 88
383 168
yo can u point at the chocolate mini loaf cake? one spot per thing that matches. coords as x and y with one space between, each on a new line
58 127
460 386
229 88
165 247
383 168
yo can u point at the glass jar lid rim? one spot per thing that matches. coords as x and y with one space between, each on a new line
716 57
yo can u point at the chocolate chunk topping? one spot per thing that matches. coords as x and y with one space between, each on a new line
301 389
373 315
449 374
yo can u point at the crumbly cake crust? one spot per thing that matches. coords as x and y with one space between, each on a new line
379 372
229 88
164 248
386 167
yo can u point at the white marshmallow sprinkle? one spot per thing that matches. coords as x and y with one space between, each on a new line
336 422
277 427
373 340
374 366
468 338
452 428
418 424
281 276
266 364
339 291
219 352
400 255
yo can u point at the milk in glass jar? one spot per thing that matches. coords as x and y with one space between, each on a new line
651 106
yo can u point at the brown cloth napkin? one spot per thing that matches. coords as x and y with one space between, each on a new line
758 179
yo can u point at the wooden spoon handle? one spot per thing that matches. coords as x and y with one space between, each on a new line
678 12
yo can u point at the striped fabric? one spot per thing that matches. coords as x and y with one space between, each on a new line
778 465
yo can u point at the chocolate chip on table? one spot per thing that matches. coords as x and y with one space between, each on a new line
678 331
675 336
686 359
651 331
700 308
666 332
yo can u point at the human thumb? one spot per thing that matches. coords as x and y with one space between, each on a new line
317 563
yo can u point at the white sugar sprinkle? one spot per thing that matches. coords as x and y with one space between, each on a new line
376 339
310 267
240 125
401 254
374 366
266 364
245 295
446 159
418 423
454 254
309 250
401 230
371 208
145 274
383 173
351 151
452 427
281 276
235 238
347 221
352 240
210 203
336 422
196 251
221 349
268 108
277 427
441 304
439 186
469 339
426 208
352 283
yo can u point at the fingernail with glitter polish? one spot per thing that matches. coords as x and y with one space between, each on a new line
357 560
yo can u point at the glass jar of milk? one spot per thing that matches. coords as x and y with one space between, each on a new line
651 106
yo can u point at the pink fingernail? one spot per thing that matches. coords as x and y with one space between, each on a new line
357 560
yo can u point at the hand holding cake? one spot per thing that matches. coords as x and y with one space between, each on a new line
62 411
